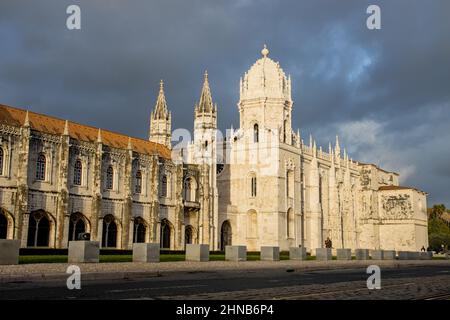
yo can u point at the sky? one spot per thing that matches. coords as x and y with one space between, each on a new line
385 92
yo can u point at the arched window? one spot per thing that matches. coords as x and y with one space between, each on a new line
253 186
38 230
1 161
284 131
165 234
255 133
139 230
190 187
164 186
40 167
188 235
76 226
138 182
225 235
3 225
109 236
77 172
109 177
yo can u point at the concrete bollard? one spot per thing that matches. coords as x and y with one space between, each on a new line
377 254
344 254
84 252
236 253
9 251
197 252
389 255
297 253
270 253
323 254
362 254
146 252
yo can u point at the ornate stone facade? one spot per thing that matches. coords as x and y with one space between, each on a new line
261 185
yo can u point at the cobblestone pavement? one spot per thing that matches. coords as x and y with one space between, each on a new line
428 281
431 288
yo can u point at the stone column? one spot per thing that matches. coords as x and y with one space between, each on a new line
154 195
334 205
205 206
96 208
179 208
63 193
128 201
21 197
315 236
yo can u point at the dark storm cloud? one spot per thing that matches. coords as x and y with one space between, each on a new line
386 92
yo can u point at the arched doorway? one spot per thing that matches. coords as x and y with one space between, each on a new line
188 235
109 236
3 226
76 226
139 230
225 235
38 229
165 234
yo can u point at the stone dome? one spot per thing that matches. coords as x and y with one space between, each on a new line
265 79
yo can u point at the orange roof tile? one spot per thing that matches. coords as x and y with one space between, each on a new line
51 125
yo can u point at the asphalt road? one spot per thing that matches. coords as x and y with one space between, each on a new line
426 282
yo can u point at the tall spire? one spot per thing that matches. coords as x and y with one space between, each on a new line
161 110
205 105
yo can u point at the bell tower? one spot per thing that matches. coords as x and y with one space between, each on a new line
160 120
265 99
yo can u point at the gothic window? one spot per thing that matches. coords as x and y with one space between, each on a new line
255 133
1 161
38 230
253 186
139 230
164 186
138 182
77 172
190 187
109 235
109 177
225 235
3 225
165 234
284 131
76 226
40 167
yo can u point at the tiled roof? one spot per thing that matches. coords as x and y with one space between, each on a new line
39 122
